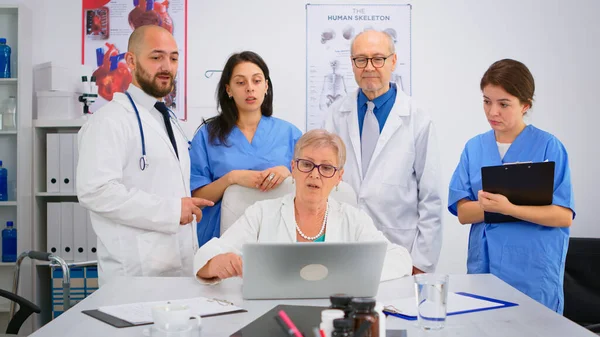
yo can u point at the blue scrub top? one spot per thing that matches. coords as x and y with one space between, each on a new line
272 145
527 256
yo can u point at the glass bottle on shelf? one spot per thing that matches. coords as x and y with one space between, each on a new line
3 183
5 52
9 114
9 243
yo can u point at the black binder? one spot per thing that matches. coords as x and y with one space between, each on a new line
526 184
304 317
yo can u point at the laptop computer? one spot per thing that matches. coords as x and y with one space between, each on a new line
311 270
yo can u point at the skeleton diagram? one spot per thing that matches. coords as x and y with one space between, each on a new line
334 87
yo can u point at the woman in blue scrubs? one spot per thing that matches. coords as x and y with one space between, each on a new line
528 254
243 144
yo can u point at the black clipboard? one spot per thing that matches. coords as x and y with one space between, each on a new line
120 323
526 184
109 319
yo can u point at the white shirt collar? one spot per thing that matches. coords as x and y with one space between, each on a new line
141 97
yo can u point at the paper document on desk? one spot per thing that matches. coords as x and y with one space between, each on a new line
457 303
141 313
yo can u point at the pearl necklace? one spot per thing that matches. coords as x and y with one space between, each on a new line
313 238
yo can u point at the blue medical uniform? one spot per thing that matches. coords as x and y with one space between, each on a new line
272 145
527 256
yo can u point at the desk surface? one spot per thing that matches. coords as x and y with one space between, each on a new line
529 319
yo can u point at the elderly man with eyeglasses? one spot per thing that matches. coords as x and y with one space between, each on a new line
392 158
308 215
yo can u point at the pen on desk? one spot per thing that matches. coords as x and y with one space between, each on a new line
285 328
288 322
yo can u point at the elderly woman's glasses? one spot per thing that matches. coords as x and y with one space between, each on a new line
306 166
377 62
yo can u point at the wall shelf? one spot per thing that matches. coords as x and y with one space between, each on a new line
55 194
72 264
16 146
7 81
67 123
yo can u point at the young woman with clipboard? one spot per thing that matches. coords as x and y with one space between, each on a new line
530 253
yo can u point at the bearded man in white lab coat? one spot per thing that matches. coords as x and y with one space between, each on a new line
392 161
143 215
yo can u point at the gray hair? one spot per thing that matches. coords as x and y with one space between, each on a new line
389 37
322 138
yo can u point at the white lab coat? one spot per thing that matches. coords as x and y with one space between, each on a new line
274 220
401 190
135 213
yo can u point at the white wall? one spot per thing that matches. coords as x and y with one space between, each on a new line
453 44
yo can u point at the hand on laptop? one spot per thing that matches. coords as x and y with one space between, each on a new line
222 266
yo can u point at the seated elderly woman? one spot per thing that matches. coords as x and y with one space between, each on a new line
309 215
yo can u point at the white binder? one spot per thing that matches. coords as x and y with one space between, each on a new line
75 160
80 232
66 238
53 228
91 240
52 163
66 163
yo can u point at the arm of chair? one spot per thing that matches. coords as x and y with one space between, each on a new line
26 308
22 302
593 328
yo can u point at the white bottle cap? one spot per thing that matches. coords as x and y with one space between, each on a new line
331 314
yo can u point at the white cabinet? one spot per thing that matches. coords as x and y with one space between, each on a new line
42 128
15 151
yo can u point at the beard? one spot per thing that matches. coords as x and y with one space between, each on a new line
151 85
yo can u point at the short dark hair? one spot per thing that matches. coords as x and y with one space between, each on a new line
514 77
220 127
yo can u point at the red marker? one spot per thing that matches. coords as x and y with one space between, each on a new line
289 323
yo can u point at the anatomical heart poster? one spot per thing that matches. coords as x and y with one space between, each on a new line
330 30
106 27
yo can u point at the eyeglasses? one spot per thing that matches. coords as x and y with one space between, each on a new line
377 62
307 166
220 302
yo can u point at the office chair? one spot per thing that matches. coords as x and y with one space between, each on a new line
237 198
26 308
582 283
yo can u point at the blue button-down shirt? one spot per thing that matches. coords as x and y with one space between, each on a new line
383 106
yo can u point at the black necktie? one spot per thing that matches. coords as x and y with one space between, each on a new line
162 108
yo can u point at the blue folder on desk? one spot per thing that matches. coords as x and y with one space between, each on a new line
403 308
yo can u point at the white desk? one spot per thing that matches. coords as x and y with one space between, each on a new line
529 319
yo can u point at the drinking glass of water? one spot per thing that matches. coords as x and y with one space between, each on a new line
432 294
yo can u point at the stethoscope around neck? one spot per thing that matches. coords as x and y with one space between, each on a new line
143 159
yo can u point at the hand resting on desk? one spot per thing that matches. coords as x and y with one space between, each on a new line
222 266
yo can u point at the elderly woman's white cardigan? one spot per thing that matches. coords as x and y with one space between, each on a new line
274 221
